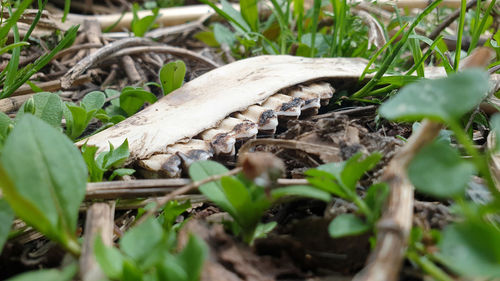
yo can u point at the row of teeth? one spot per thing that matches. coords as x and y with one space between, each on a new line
263 119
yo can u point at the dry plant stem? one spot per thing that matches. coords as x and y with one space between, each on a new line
99 221
13 103
163 200
350 111
75 48
148 188
68 79
166 49
50 86
167 16
393 228
445 23
290 144
129 67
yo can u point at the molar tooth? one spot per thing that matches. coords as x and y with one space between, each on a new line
240 129
266 119
312 101
192 151
230 130
161 165
169 164
221 140
284 106
324 89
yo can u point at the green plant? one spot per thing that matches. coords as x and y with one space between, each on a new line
146 254
12 77
43 178
79 117
66 274
105 161
288 30
245 201
340 179
141 25
468 246
172 76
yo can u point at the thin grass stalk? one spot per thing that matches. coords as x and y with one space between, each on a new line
387 62
458 49
379 51
14 60
424 58
41 7
477 33
314 27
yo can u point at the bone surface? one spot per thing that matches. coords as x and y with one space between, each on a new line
203 102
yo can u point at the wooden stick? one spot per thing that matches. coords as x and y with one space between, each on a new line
393 228
99 221
148 188
50 86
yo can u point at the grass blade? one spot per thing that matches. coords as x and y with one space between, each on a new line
387 62
458 49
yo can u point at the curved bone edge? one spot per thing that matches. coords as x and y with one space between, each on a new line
284 105
200 104
166 165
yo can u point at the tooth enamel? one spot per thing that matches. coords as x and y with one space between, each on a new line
265 119
165 165
284 105
323 89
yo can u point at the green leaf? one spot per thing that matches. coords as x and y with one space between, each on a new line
131 272
263 229
213 190
171 211
44 179
133 98
121 172
5 126
193 256
445 99
109 258
223 35
356 167
171 269
207 37
141 26
326 180
472 248
250 12
140 240
93 101
239 198
172 76
375 198
66 274
347 225
96 172
238 22
47 106
6 218
494 126
303 191
438 170
116 157
77 119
